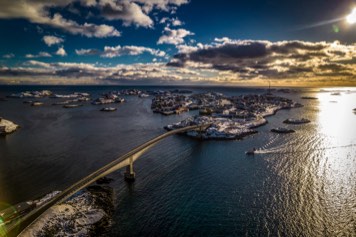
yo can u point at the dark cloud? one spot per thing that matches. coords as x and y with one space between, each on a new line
40 71
284 59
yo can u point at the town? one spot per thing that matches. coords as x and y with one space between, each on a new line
230 117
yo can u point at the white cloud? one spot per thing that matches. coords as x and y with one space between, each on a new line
38 12
176 22
10 55
129 12
61 52
72 73
164 20
117 51
87 52
183 48
37 64
222 40
110 52
165 5
171 21
39 55
52 40
175 37
87 29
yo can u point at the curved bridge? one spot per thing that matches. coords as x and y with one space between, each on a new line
17 226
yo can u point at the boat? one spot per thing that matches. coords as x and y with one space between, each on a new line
143 95
119 100
282 130
108 109
61 103
36 103
72 106
251 152
169 112
83 99
296 121
309 98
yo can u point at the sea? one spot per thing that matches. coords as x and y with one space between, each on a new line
299 184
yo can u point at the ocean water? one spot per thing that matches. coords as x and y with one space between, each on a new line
300 184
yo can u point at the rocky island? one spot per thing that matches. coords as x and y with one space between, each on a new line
7 126
230 117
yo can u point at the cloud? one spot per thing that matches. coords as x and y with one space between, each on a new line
39 55
129 12
61 52
52 40
164 5
110 52
87 29
50 13
87 52
117 51
10 55
72 73
177 22
175 37
169 21
39 12
253 59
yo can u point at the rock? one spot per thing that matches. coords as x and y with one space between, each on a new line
7 126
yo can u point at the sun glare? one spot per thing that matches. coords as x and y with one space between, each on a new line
351 18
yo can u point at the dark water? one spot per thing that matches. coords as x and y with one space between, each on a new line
301 184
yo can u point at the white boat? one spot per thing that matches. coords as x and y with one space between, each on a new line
250 152
296 121
36 103
282 130
108 109
119 100
143 95
72 106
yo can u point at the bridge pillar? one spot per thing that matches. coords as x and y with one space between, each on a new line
129 173
200 133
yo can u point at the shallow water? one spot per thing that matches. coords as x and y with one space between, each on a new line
300 184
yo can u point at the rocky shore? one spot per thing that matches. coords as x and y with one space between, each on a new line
87 213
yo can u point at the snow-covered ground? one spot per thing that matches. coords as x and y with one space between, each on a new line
7 126
81 215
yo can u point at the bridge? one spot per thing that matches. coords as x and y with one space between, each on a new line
127 160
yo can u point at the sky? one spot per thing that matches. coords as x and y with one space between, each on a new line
178 42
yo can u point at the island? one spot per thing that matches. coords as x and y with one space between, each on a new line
7 126
231 117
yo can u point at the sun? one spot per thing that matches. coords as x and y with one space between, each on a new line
351 18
